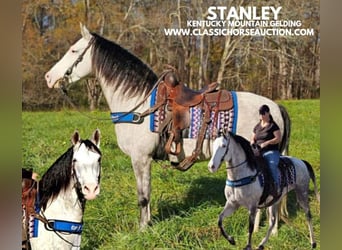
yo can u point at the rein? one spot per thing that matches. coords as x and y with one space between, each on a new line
238 165
78 60
66 77
225 153
243 181
137 117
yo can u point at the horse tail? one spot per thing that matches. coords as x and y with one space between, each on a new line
313 177
284 149
285 142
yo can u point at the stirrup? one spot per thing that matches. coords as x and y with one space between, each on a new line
186 163
169 145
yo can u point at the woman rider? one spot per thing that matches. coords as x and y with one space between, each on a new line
266 134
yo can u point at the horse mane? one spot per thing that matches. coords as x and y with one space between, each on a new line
117 65
56 178
246 146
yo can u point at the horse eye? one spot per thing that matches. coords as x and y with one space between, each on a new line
73 50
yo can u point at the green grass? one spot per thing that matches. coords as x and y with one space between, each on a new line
184 205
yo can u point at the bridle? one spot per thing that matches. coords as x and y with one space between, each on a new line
227 138
78 60
68 72
48 224
81 199
77 184
243 181
66 77
78 187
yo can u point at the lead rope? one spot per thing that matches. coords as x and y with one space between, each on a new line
43 219
40 216
68 99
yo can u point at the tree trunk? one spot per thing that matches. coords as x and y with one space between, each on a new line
224 59
282 71
94 93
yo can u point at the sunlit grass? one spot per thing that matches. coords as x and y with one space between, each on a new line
184 205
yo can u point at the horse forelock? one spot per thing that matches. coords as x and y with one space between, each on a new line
56 178
91 146
119 67
245 145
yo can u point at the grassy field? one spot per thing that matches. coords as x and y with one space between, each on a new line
184 205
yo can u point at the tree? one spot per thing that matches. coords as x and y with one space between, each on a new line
277 67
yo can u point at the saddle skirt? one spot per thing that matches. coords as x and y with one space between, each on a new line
223 120
178 112
287 176
28 198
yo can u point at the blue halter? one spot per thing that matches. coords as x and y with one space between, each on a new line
55 225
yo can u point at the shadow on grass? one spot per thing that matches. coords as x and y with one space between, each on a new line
209 191
204 191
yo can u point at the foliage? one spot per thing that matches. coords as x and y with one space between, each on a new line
185 205
277 67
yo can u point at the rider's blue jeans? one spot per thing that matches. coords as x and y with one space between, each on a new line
272 159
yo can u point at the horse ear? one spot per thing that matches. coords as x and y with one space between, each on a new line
75 137
85 32
96 137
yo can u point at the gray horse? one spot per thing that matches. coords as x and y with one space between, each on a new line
126 83
245 183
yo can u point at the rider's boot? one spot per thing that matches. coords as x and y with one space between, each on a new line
276 191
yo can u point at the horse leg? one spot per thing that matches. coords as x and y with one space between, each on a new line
276 224
303 200
252 213
227 210
257 220
272 220
142 172
283 207
276 211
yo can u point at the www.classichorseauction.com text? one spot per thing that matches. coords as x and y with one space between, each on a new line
242 21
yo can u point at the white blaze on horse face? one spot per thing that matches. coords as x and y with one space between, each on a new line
219 150
87 170
81 70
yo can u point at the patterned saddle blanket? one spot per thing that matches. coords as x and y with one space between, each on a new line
287 176
224 120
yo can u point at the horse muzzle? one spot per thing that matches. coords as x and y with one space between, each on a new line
53 83
91 191
212 168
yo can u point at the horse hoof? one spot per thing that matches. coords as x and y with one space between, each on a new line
232 241
314 245
261 247
248 247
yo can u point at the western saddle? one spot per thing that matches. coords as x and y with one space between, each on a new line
176 99
28 195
